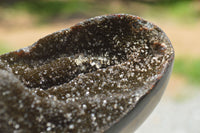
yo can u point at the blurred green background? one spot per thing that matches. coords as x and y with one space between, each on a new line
22 22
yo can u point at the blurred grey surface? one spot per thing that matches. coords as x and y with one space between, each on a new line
171 116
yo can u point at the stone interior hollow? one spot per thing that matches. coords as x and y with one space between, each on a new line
62 56
82 79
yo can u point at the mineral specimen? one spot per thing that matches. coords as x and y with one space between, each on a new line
85 78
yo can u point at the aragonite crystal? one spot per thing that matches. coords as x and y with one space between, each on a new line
82 79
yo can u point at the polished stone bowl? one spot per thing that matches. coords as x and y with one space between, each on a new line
105 74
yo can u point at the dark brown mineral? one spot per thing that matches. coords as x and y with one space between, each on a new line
100 75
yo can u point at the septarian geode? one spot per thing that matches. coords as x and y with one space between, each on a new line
92 77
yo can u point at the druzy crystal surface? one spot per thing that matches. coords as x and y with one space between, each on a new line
82 79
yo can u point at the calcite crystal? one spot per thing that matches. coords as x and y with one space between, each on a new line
82 79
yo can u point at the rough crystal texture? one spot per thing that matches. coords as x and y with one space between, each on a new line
82 79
